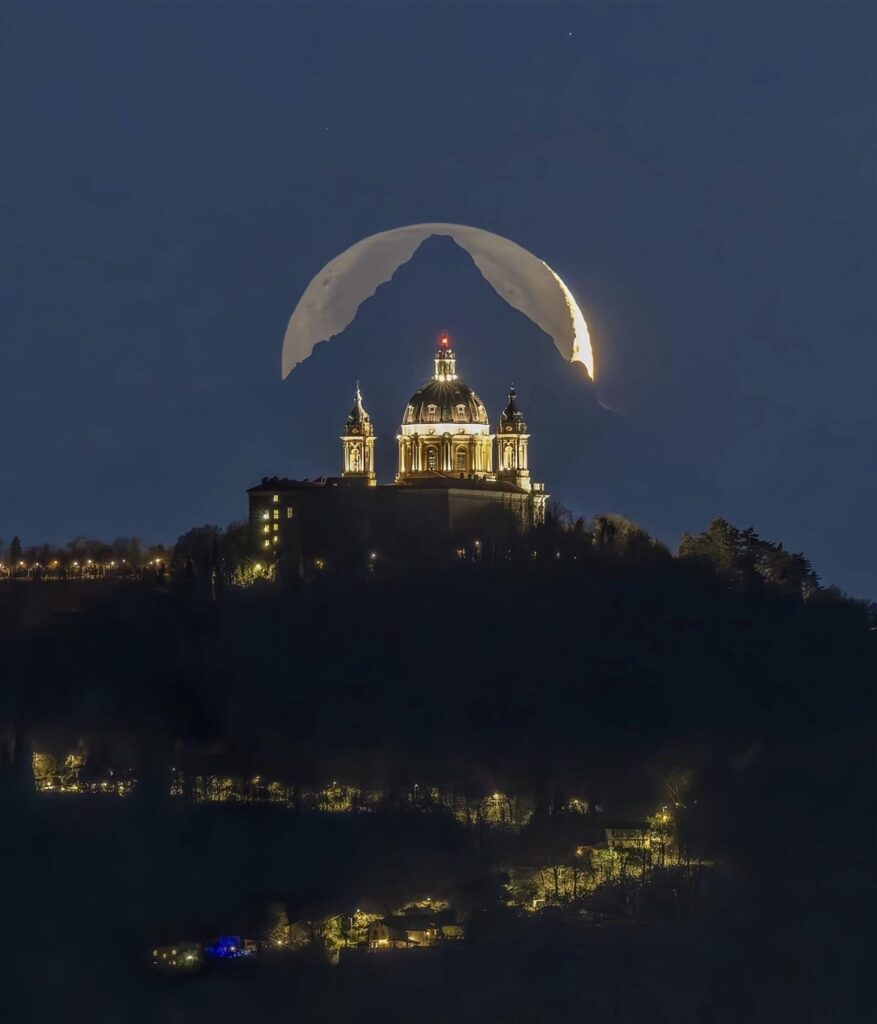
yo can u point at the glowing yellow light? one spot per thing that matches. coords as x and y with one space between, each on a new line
582 351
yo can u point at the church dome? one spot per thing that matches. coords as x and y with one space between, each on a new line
445 398
445 402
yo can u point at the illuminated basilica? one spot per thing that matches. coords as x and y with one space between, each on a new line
458 485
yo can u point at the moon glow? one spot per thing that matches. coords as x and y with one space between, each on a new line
333 297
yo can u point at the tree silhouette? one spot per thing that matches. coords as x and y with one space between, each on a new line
15 552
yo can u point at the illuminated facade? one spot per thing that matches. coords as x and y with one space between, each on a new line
445 430
358 444
459 486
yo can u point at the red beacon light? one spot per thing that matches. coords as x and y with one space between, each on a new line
444 341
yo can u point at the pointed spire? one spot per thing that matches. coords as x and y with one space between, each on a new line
358 443
358 416
512 419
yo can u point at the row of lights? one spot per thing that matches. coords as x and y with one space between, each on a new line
86 564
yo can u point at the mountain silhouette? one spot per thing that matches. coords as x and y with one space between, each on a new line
591 459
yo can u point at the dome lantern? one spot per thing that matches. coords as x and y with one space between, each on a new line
445 360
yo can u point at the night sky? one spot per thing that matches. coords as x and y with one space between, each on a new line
702 176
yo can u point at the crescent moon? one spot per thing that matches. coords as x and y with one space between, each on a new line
331 300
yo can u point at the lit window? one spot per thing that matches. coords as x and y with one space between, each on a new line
264 515
431 411
274 539
432 459
266 528
289 511
276 527
275 497
267 542
461 458
276 513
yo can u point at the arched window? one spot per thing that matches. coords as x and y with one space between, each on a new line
431 413
355 459
460 458
432 459
508 456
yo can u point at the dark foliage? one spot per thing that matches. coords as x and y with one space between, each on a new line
588 661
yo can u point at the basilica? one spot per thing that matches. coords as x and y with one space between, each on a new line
458 487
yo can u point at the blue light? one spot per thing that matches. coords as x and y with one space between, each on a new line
226 947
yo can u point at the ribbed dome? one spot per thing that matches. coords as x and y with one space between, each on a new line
440 401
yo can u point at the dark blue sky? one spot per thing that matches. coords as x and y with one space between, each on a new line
701 175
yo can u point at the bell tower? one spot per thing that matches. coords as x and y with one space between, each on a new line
511 444
358 444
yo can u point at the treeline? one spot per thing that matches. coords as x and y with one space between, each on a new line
552 663
739 556
224 557
82 556
204 552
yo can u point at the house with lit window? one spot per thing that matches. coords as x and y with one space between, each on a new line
184 956
459 485
415 929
